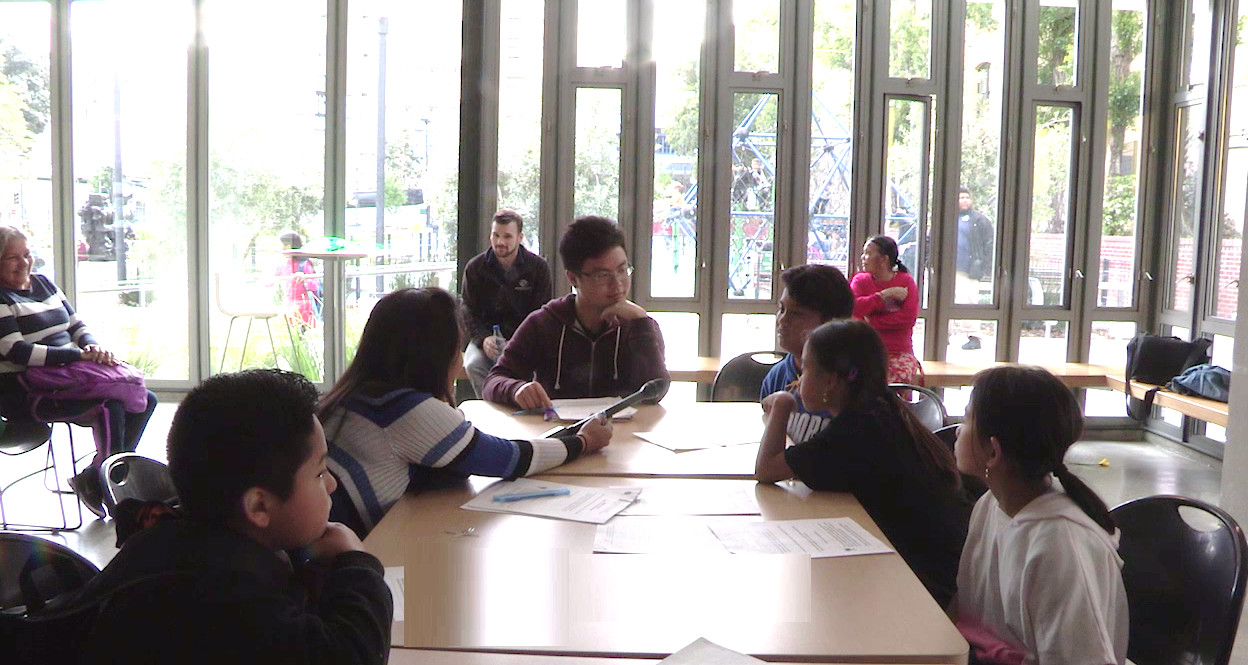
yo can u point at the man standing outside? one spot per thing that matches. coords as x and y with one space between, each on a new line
592 343
975 249
501 286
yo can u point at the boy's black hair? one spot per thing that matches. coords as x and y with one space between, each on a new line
586 238
238 431
821 288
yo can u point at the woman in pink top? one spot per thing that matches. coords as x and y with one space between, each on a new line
886 296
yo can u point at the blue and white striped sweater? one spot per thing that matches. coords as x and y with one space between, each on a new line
380 447
39 327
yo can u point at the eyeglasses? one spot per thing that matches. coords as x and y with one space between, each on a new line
604 276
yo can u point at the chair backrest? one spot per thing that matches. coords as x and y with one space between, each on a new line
741 378
34 571
1184 583
130 476
924 403
974 485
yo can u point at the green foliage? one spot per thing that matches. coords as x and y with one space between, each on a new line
1055 59
30 76
396 194
1118 215
16 139
979 17
909 44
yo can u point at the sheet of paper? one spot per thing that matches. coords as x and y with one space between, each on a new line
681 440
704 652
572 410
820 538
671 499
394 579
645 535
595 505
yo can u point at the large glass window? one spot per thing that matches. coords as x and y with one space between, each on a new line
674 233
752 233
26 126
910 38
128 84
907 153
975 252
1124 148
1048 245
1058 45
520 113
1230 228
831 136
757 35
1185 197
597 150
266 181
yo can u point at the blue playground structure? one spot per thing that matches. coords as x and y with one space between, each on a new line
753 203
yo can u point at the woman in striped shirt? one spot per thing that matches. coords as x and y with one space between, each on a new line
38 327
391 423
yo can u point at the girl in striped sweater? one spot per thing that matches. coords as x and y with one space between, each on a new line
391 422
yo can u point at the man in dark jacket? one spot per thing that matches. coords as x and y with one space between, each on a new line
593 343
501 286
975 249
247 456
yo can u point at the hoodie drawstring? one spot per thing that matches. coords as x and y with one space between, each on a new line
559 367
616 359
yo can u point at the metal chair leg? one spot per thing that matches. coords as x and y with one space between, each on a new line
246 338
226 348
294 353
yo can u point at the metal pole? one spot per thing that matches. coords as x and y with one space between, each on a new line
383 26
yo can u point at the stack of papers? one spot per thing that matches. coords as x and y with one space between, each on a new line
595 505
575 410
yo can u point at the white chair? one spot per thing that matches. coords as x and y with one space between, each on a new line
251 311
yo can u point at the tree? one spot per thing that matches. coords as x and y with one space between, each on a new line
31 78
15 137
1055 56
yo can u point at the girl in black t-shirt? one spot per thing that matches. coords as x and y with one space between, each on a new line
874 447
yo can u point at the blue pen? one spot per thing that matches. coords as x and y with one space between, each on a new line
532 494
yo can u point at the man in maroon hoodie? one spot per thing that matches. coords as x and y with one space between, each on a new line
592 343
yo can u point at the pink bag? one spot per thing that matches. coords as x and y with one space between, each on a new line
86 380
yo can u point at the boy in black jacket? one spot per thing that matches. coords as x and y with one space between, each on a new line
247 455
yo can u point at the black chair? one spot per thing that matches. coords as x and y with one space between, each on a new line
741 379
39 580
22 435
1185 583
131 476
924 403
974 485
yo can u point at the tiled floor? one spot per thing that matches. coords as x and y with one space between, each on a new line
1118 471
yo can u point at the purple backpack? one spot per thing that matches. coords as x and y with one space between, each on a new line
86 380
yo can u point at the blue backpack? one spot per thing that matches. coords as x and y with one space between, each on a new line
1208 381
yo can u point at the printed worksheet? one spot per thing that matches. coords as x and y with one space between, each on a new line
644 535
820 538
679 440
595 505
394 579
574 410
674 499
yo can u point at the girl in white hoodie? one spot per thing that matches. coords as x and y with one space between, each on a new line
1040 578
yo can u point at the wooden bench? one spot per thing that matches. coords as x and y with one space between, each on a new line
702 369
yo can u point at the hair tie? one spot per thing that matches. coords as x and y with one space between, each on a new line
852 375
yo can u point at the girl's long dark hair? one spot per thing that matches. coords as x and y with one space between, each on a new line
1036 418
854 352
888 247
411 339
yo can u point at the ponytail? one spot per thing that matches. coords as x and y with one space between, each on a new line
1085 498
934 455
1035 418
